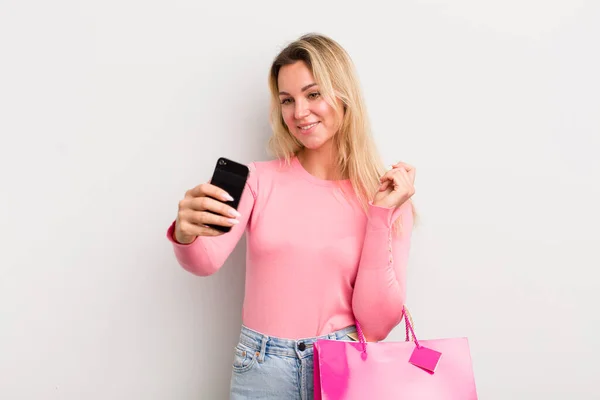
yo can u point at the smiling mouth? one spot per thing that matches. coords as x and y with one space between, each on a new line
307 127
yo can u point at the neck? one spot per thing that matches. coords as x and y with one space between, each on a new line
320 162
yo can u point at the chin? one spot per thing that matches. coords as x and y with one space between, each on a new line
312 145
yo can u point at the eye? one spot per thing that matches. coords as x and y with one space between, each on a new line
286 101
314 95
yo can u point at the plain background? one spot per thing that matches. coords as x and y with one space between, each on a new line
111 110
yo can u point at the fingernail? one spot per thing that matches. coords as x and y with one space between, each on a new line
233 221
234 213
227 196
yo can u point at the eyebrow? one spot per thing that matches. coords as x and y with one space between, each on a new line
303 89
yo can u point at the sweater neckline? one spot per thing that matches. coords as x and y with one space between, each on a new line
297 165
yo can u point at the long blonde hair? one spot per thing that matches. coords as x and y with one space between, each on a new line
357 156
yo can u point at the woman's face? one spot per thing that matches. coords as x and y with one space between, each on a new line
305 112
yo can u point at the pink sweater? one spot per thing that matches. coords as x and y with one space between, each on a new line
314 260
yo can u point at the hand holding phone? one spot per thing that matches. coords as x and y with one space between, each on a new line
210 209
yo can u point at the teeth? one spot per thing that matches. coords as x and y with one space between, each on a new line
309 126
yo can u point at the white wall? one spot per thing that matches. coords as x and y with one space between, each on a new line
110 110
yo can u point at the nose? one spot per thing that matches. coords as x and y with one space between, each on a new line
301 111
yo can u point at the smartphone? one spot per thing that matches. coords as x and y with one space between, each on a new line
231 177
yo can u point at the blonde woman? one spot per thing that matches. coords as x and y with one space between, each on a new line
328 229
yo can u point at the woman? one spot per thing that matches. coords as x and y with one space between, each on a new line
328 230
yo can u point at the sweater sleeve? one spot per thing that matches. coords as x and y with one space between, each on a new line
380 286
207 254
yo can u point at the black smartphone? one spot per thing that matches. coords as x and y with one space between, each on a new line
231 177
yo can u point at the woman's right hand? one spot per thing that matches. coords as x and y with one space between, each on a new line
195 213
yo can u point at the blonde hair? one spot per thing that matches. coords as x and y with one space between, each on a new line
357 156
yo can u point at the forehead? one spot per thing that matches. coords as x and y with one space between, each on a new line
294 76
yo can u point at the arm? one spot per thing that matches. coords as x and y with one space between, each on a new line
380 287
207 254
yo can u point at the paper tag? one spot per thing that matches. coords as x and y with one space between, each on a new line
353 336
425 358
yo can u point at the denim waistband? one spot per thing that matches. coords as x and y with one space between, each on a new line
300 348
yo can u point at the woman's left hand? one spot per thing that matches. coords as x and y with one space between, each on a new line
397 186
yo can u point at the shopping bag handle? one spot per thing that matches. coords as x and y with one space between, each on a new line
407 322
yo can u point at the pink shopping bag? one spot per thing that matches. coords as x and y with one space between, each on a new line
438 369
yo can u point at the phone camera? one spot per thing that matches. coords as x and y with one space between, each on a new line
222 162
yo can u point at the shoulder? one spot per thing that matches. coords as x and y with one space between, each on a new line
263 173
267 169
267 166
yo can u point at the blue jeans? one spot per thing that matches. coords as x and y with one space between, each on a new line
271 368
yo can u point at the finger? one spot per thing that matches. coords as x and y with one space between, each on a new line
404 165
388 181
411 175
402 182
208 218
384 186
207 189
389 175
397 180
385 177
404 176
210 204
394 178
198 230
410 170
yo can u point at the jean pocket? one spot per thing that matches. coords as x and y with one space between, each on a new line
243 359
